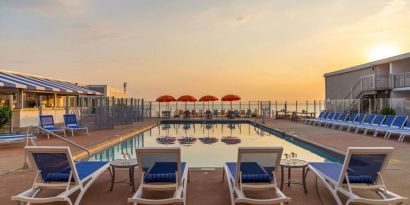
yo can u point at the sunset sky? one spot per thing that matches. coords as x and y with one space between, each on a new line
260 50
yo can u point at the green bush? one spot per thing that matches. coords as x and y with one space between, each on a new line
387 111
5 116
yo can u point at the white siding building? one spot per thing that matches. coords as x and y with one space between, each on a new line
371 86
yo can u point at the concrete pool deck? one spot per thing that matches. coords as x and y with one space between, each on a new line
207 187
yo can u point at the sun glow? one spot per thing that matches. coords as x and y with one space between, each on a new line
382 51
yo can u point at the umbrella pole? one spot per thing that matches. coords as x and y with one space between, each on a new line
159 109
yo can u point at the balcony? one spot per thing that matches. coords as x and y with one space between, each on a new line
401 81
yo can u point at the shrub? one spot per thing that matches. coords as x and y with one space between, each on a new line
387 111
5 116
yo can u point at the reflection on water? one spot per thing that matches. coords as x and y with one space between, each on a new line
207 145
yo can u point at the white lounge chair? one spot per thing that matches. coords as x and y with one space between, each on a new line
362 170
55 169
47 123
15 138
71 123
255 169
161 169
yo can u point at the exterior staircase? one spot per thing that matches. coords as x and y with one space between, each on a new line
367 87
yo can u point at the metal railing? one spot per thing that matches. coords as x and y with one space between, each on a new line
401 80
25 166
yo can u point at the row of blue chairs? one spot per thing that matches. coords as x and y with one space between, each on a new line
70 123
360 122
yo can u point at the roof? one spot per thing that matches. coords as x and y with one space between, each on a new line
11 79
370 64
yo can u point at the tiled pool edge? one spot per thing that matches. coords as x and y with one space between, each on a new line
113 141
339 154
287 136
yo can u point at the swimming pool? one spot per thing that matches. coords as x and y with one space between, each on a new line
213 144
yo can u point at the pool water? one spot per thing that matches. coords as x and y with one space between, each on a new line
211 145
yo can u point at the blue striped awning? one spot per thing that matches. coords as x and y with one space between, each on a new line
10 79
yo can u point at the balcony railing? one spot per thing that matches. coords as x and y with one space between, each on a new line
401 80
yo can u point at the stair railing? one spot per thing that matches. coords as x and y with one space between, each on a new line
25 166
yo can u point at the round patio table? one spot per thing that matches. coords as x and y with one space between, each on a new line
293 164
123 164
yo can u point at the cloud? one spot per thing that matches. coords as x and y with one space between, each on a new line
48 7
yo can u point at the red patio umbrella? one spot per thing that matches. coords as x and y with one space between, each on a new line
208 98
187 98
231 98
164 98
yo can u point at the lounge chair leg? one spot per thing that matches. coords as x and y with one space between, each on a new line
72 132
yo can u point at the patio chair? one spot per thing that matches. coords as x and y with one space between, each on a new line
404 132
362 170
208 114
385 123
350 120
15 138
223 113
71 123
378 119
187 114
342 119
248 113
329 116
255 170
215 113
47 123
397 124
334 119
399 127
161 169
242 113
366 121
55 169
359 120
230 114
307 120
320 117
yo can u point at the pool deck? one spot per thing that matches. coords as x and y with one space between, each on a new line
206 187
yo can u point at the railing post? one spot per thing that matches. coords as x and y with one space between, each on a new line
296 106
11 111
314 107
361 83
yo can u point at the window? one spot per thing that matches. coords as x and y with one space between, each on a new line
30 100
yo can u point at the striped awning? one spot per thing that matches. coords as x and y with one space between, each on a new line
11 79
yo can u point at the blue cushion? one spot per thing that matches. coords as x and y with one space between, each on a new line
75 127
84 169
52 128
333 169
251 172
15 136
360 179
163 172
